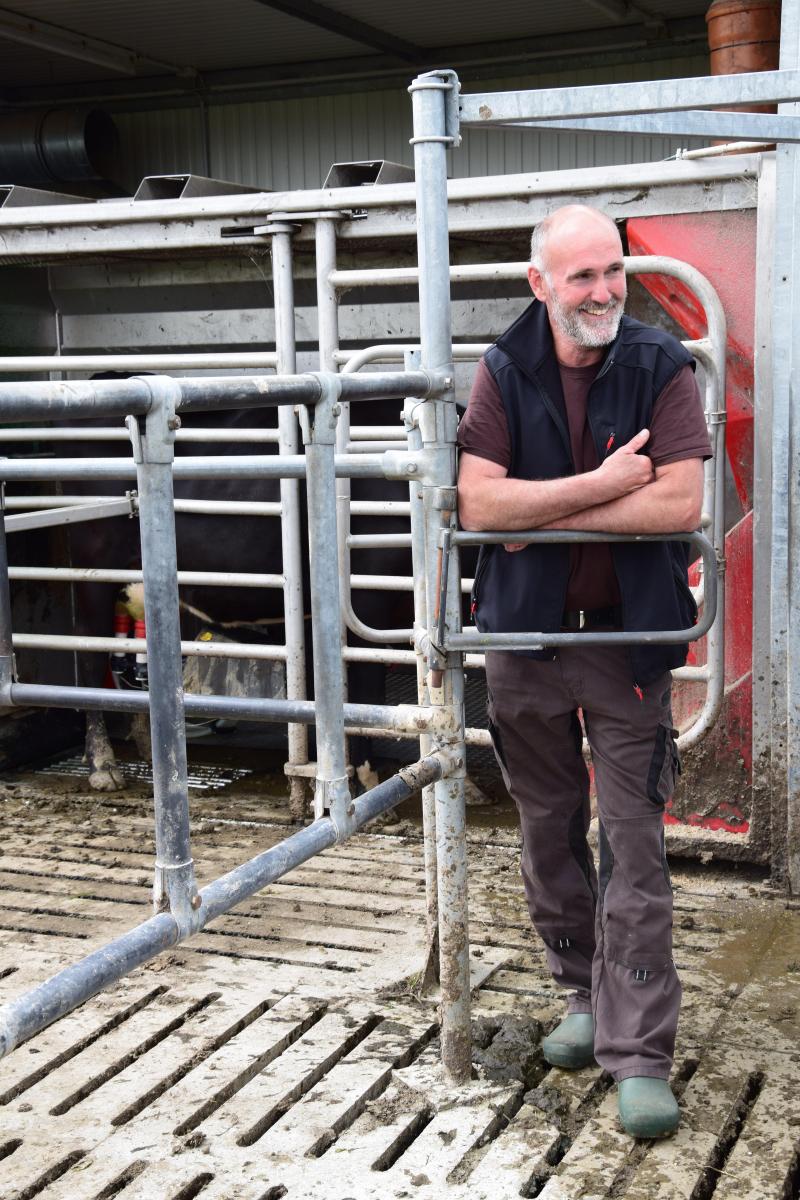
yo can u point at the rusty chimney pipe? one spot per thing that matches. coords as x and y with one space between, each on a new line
744 35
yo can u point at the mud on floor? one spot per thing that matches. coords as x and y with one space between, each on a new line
284 1052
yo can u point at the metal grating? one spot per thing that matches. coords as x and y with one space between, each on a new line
202 776
283 1052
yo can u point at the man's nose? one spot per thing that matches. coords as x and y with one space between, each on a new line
601 292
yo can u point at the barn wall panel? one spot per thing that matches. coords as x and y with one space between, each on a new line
288 144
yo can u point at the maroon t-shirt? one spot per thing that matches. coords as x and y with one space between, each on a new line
677 431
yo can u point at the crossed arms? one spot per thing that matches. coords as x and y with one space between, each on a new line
625 494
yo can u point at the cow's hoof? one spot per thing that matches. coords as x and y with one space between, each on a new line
107 778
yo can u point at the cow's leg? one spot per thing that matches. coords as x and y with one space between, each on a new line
95 615
104 774
140 732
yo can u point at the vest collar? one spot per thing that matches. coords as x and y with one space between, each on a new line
529 341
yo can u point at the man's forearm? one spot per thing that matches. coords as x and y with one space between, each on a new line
658 507
505 503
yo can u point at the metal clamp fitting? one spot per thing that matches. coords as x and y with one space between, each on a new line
318 425
175 892
332 798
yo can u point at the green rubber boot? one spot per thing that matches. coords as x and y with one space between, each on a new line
647 1107
571 1044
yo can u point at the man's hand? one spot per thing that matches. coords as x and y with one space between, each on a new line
626 470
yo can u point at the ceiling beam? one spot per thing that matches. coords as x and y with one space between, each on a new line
487 61
615 10
357 31
626 10
54 39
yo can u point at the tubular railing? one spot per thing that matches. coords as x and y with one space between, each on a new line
180 908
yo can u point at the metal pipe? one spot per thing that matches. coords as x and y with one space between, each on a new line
59 995
112 433
331 785
419 569
379 508
114 575
399 720
71 514
327 343
234 508
6 636
431 138
378 541
402 276
726 148
107 645
364 433
662 95
474 638
653 264
110 645
328 318
109 398
291 540
18 364
396 464
354 360
174 884
373 447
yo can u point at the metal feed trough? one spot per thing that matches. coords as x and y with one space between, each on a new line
152 408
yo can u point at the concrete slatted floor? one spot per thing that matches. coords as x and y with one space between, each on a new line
284 1051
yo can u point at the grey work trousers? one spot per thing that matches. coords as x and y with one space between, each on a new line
608 942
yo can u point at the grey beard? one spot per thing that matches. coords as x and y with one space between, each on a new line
590 336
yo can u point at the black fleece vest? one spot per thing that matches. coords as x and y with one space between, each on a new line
524 592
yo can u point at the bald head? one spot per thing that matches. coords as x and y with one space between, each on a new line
577 271
570 223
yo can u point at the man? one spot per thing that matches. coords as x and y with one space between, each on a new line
581 418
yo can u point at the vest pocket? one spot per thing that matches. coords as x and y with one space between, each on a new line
665 766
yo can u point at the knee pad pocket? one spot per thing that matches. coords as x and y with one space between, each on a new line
665 766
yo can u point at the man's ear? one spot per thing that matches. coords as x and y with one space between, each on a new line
536 280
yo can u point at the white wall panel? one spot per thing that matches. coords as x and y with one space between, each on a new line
288 144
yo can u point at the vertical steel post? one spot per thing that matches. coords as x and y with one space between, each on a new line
331 793
328 334
291 540
412 361
174 886
6 643
433 95
761 820
785 584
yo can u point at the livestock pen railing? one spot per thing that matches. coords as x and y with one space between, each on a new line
153 407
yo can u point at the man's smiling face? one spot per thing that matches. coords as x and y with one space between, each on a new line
582 283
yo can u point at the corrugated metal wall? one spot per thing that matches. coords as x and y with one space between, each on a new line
286 144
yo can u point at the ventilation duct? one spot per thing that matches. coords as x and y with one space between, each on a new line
58 146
